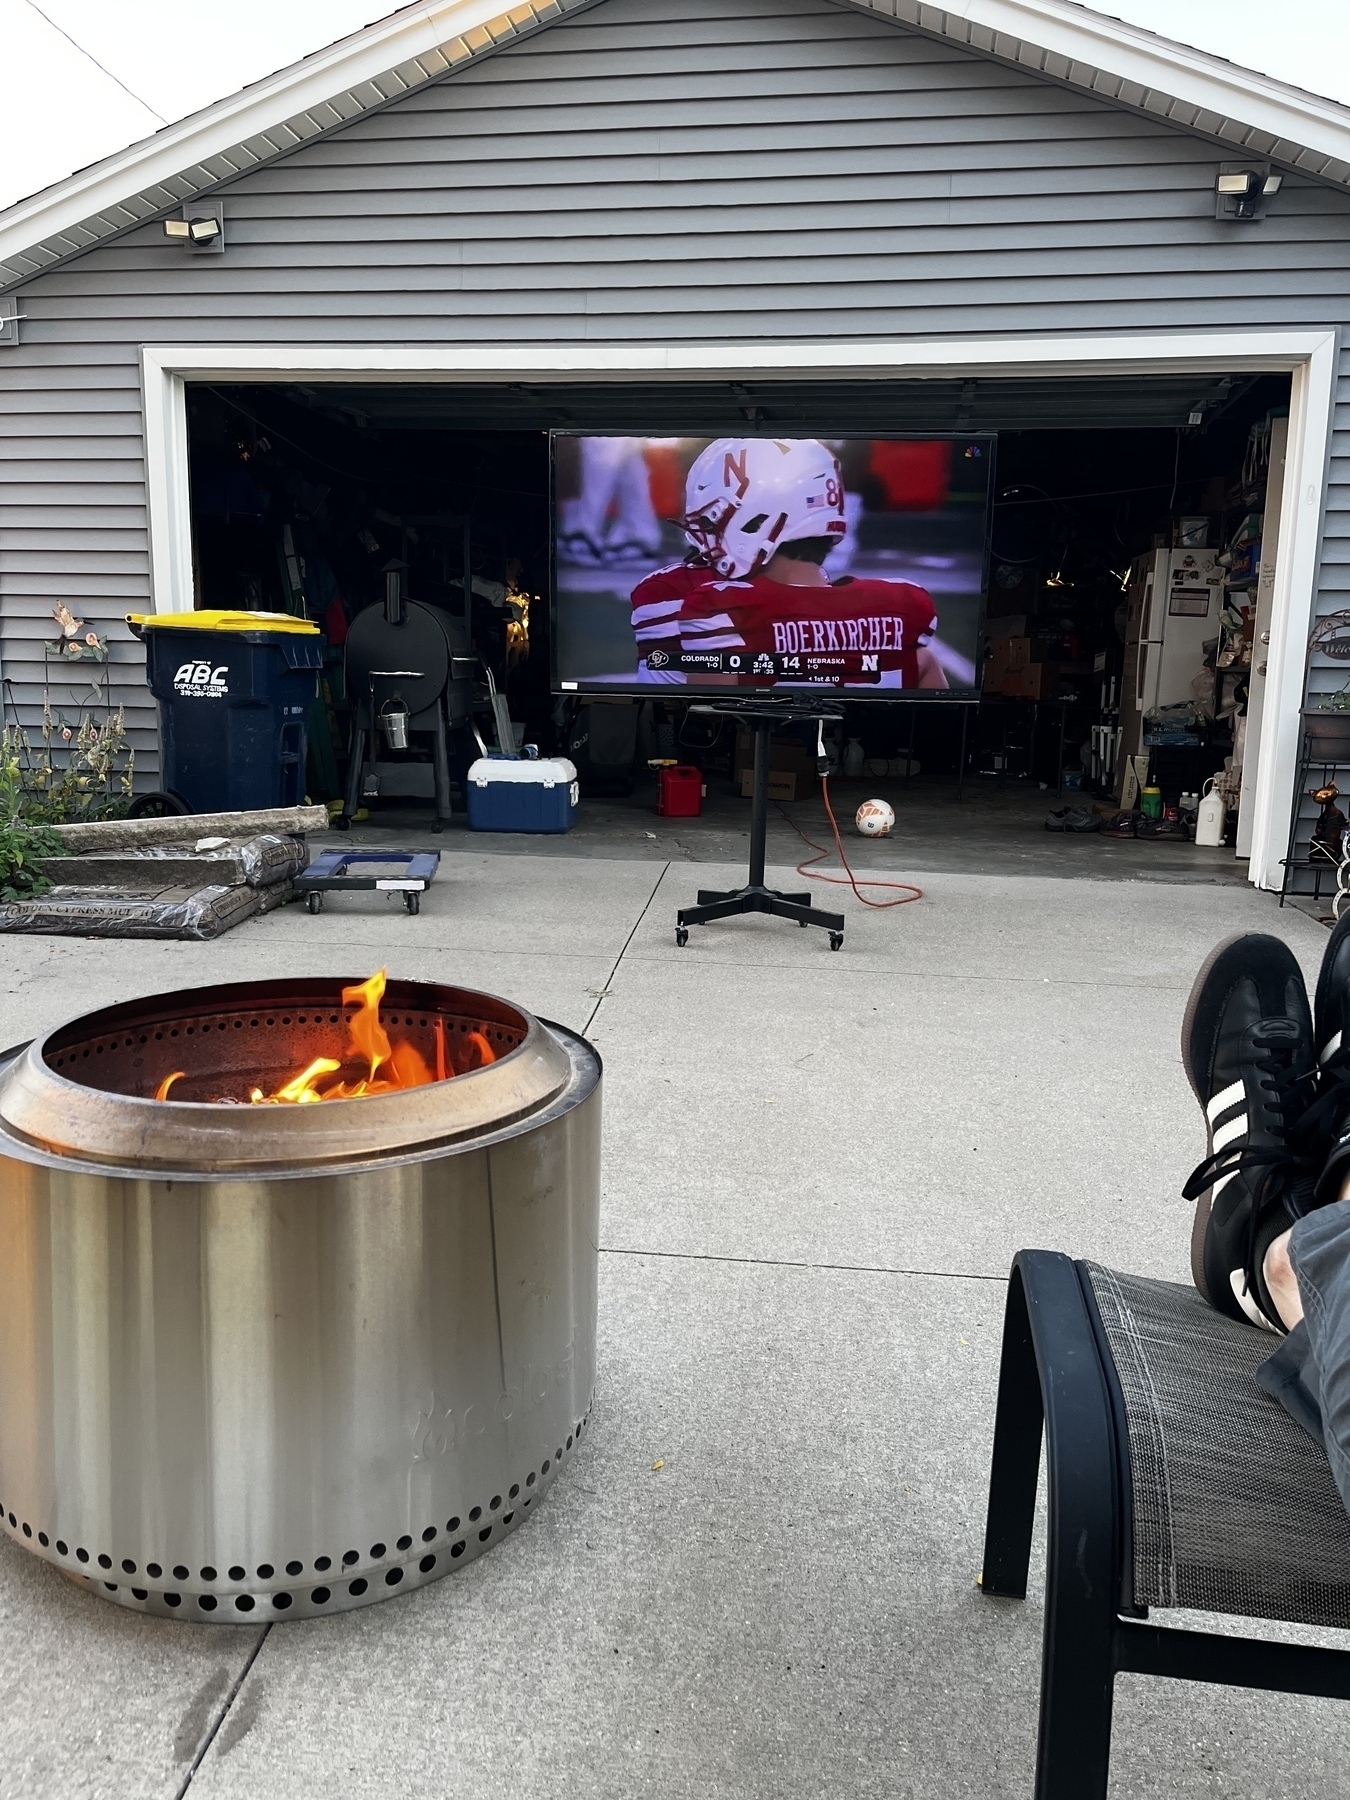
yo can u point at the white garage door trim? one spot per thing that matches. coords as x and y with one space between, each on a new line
1309 357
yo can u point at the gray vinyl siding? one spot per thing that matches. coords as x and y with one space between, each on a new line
648 171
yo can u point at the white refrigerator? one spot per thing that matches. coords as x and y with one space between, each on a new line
1173 605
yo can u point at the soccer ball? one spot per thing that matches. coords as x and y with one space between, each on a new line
875 818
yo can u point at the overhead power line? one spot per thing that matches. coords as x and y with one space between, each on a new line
89 55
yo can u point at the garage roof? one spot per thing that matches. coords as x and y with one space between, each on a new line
1121 63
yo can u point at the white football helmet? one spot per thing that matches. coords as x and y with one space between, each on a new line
745 497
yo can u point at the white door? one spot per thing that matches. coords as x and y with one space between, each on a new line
1265 594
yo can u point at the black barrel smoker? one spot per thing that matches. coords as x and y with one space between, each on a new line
409 673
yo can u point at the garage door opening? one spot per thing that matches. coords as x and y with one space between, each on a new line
305 497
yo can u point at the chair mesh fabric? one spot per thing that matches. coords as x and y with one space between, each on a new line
1234 1506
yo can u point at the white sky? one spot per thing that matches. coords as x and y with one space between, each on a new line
60 113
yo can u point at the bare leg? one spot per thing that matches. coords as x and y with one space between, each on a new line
1281 1282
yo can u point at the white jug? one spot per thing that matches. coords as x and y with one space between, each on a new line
1211 818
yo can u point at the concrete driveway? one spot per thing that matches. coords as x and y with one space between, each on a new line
818 1168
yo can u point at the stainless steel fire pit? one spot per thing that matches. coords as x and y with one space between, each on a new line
278 1361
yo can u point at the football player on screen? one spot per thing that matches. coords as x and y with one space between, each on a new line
657 598
764 513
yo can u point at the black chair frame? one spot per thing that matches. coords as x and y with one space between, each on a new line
1057 1380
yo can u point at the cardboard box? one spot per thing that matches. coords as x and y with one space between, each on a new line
787 756
1033 681
1012 625
1010 652
782 784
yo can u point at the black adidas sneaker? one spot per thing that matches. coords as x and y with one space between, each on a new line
1247 1047
1324 1131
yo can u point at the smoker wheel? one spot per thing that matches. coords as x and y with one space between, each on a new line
162 804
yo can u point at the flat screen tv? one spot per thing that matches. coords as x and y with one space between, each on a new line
765 564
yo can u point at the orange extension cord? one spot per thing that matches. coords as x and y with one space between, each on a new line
848 879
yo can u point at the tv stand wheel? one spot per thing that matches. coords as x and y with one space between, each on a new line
836 940
681 935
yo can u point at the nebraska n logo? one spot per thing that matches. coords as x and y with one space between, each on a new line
734 470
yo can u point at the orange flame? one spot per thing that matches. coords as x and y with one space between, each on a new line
389 1067
367 1033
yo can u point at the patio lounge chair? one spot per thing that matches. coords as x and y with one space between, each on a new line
1173 1481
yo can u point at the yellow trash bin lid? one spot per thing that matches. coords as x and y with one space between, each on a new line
222 621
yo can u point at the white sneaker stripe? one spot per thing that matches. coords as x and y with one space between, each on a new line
1228 1113
1330 1048
1220 1185
1238 1282
1222 1101
1235 1128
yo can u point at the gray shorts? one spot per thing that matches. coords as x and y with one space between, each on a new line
1310 1372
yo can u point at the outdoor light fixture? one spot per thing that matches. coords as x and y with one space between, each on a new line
1239 190
201 228
198 231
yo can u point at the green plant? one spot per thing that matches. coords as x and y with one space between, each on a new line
82 771
22 850
24 845
1337 702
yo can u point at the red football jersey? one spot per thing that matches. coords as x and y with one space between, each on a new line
656 604
850 628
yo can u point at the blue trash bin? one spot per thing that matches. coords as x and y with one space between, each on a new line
234 692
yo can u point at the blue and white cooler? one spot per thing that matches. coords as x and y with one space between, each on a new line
539 794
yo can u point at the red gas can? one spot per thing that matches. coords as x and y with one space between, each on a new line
679 794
